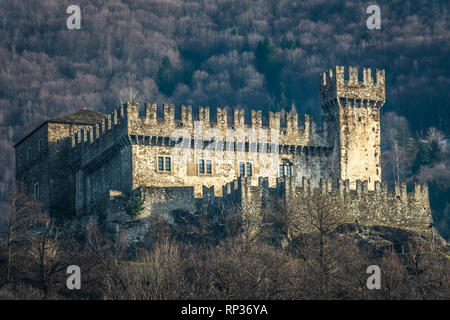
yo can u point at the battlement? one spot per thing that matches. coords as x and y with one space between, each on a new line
224 119
347 84
117 119
396 208
381 206
308 184
130 120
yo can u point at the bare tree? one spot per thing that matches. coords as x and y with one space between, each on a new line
109 255
47 248
21 207
395 277
249 222
311 220
156 274
429 269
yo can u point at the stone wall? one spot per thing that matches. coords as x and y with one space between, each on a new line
30 171
101 160
395 208
162 201
381 207
49 165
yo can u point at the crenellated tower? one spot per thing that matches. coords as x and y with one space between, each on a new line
351 117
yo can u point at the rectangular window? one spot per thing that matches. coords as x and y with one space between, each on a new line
29 154
285 170
160 163
36 190
242 168
20 160
249 169
289 170
201 166
168 164
208 167
164 163
41 145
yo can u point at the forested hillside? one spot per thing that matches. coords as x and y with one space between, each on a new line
265 54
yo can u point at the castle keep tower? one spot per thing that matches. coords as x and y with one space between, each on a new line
351 118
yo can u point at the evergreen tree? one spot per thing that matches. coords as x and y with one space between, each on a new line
422 156
268 62
434 151
166 77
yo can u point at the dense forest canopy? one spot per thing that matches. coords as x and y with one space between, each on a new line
265 54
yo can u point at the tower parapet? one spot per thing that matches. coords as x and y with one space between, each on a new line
345 86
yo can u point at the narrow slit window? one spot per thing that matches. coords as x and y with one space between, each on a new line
242 169
160 163
29 154
168 164
249 169
201 166
289 170
208 167
36 190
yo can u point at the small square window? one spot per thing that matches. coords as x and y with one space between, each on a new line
164 163
208 167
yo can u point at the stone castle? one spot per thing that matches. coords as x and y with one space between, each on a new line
173 158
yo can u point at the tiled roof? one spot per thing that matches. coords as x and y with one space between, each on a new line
84 116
